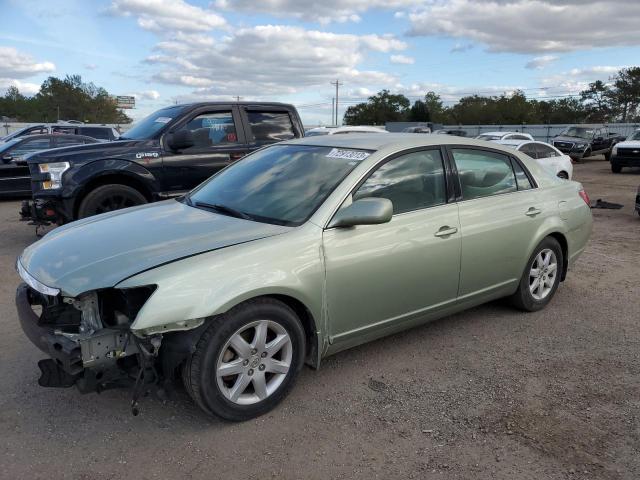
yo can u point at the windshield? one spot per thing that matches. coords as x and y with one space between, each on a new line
577 132
6 146
634 136
152 124
281 184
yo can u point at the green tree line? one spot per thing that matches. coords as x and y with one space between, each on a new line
69 98
617 100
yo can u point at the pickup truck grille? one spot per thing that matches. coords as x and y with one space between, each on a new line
629 152
563 146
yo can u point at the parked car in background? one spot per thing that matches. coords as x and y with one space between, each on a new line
357 129
626 153
493 136
546 155
457 133
15 179
100 132
417 129
312 132
296 252
164 155
583 141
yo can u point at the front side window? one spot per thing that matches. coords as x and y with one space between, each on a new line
483 173
270 127
281 184
412 181
211 129
30 146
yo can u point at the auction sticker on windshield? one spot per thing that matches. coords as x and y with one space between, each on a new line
347 154
163 120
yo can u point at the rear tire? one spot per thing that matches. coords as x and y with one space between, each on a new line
541 277
107 198
564 175
259 370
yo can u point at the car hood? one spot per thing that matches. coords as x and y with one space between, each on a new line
91 151
629 144
564 138
101 251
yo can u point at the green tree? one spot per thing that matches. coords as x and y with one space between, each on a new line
434 107
597 101
378 109
419 112
626 94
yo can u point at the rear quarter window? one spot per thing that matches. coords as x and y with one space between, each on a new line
270 127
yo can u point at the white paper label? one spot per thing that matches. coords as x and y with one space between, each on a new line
348 154
163 120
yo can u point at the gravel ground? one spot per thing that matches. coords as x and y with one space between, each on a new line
485 394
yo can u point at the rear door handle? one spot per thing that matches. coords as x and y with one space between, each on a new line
445 231
532 212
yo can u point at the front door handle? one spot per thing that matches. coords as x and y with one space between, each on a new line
533 211
445 231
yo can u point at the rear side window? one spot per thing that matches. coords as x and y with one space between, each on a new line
270 127
100 133
412 181
517 137
68 141
522 180
544 151
67 130
483 173
529 149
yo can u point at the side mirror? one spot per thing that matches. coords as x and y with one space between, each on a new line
7 158
180 140
366 211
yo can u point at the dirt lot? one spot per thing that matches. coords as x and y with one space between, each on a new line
489 393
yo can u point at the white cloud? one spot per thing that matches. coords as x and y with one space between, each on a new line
538 63
324 12
147 95
576 80
271 59
461 47
161 15
25 88
90 66
532 26
403 59
14 64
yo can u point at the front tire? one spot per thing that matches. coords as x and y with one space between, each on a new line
247 361
541 277
616 168
107 198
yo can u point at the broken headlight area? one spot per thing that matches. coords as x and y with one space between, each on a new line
90 341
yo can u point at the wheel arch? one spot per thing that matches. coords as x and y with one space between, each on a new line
564 245
120 172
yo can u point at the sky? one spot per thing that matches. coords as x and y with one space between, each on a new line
174 51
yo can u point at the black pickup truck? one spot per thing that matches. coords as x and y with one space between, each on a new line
166 154
582 141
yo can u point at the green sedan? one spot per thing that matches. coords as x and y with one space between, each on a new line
298 251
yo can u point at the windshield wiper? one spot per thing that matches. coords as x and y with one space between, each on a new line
223 209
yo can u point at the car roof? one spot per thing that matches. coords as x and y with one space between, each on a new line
358 128
514 141
388 141
502 133
244 103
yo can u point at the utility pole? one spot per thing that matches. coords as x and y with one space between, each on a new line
337 85
333 104
238 98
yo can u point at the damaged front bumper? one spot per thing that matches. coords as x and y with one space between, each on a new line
94 359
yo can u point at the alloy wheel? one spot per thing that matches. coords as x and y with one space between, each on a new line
542 275
254 362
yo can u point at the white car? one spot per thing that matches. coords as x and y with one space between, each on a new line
626 153
357 129
494 136
546 155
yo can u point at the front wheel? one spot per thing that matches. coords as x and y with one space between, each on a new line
246 361
107 198
616 168
541 277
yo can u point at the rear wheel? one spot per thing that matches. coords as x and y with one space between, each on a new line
246 361
564 175
541 277
107 198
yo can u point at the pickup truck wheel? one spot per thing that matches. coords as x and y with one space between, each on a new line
587 153
107 198
246 361
616 168
607 156
541 277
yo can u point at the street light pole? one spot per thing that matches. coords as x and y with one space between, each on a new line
337 85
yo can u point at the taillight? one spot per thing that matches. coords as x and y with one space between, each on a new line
585 197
